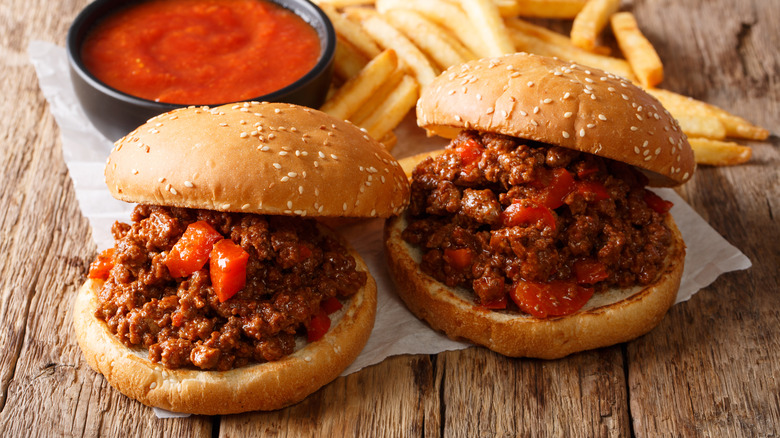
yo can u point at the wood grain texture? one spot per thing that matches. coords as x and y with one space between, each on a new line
712 368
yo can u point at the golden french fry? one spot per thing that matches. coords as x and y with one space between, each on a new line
347 61
529 43
489 25
390 113
507 8
561 9
429 37
357 90
409 163
380 95
591 20
719 153
389 37
696 126
637 49
389 141
351 32
446 15
681 106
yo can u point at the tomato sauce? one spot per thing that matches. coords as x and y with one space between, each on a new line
201 51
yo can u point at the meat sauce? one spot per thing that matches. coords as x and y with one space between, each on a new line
292 273
534 226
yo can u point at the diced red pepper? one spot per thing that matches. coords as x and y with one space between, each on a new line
556 298
470 152
303 252
177 319
330 305
657 203
192 250
586 169
557 185
101 267
592 190
518 214
589 271
228 269
498 304
459 258
318 326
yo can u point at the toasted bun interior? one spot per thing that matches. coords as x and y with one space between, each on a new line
264 386
563 104
267 158
612 317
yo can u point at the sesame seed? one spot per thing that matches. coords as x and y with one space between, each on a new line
344 206
536 110
285 179
316 164
657 151
567 114
548 100
591 125
523 113
582 132
634 128
188 184
321 154
644 145
611 89
223 124
245 206
277 110
173 191
533 122
671 140
271 136
636 150
373 212
292 174
334 156
135 171
504 113
530 83
566 95
565 134
479 96
624 96
489 110
648 158
265 149
458 118
602 117
289 204
277 165
161 179
557 73
646 152
638 117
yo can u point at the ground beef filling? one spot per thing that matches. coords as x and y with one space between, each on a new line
284 288
494 211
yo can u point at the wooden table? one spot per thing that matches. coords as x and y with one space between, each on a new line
712 367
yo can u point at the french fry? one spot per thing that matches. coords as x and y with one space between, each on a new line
561 9
409 163
719 153
390 113
357 90
369 106
507 8
429 37
389 141
389 37
696 126
532 44
680 106
591 20
347 61
446 15
639 52
489 25
351 32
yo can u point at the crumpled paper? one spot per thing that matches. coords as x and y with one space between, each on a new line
396 330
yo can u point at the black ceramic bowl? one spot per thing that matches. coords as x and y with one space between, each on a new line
115 113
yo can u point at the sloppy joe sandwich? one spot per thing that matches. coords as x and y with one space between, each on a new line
223 294
534 233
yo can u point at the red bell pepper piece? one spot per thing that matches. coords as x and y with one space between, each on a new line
556 185
101 267
318 326
556 298
518 214
459 258
192 250
589 271
657 203
330 305
228 269
592 190
470 152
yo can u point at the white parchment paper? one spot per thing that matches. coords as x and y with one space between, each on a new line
396 330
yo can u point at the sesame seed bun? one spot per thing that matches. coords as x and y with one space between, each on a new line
267 158
263 386
610 317
563 104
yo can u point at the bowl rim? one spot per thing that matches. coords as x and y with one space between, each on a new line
309 12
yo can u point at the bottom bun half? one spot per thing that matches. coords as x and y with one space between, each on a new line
263 386
611 317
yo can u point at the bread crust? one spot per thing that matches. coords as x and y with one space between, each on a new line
563 104
265 386
266 158
611 317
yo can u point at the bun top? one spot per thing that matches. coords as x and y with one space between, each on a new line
563 104
267 158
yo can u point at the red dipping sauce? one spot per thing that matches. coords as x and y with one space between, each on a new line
201 51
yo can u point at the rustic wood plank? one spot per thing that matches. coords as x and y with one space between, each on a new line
398 397
486 394
712 367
